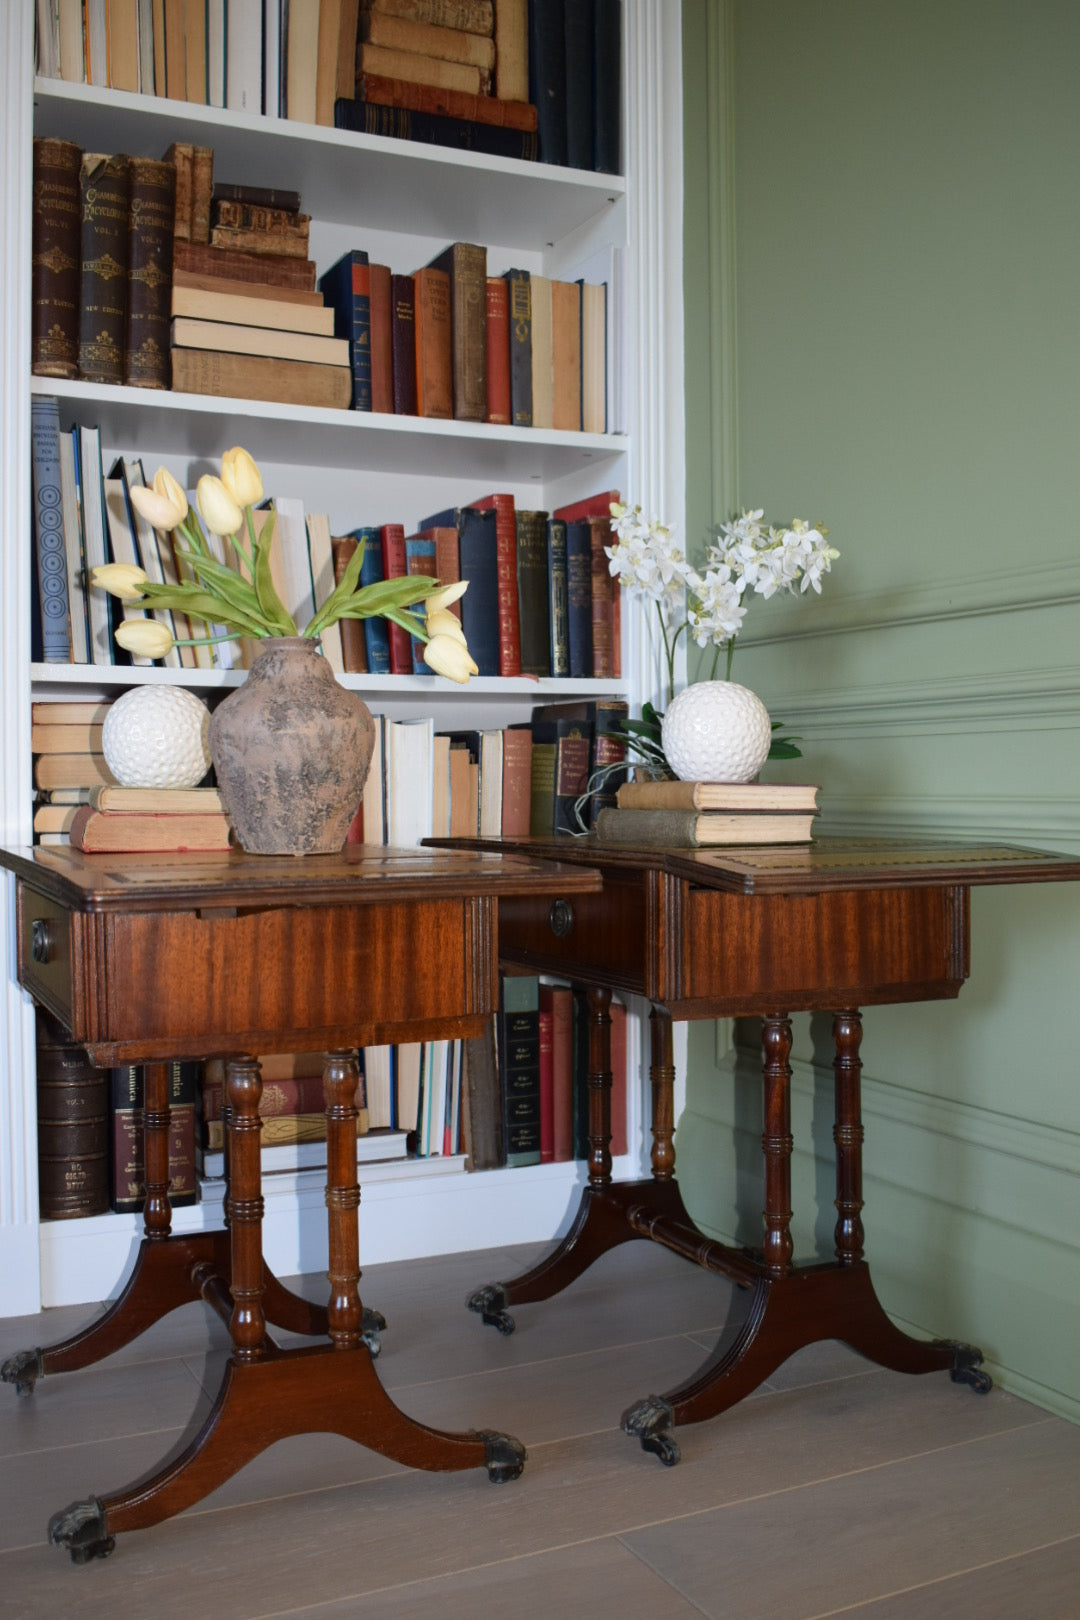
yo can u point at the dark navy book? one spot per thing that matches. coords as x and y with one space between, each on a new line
579 600
478 564
347 290
376 630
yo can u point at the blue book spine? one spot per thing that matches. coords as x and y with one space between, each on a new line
376 631
346 288
420 559
579 600
51 553
478 563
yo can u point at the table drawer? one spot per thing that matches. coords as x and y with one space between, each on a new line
46 951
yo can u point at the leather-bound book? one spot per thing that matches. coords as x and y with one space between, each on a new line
73 1126
469 16
103 197
578 41
388 63
603 626
444 44
512 50
260 376
607 75
516 781
181 154
532 585
520 292
478 561
506 557
541 340
395 566
353 649
519 1066
466 265
150 242
274 242
403 343
202 189
557 597
547 76
56 249
464 134
382 355
127 1174
500 112
498 350
237 265
346 287
434 365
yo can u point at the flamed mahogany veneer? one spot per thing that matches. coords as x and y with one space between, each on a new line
831 926
144 958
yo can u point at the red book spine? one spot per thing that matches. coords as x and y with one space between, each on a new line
558 999
547 1093
602 601
507 578
382 364
592 506
302 1095
516 781
447 559
498 350
392 537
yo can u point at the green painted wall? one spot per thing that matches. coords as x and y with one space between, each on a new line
892 304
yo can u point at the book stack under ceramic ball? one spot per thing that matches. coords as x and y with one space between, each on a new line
695 815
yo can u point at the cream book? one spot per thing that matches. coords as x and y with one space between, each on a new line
239 309
230 338
698 829
158 801
717 796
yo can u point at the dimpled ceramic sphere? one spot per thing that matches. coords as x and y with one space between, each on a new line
157 736
716 732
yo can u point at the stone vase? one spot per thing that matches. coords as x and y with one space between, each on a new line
291 750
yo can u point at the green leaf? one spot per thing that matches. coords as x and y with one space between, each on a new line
279 620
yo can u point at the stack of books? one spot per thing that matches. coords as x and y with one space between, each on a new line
119 820
692 815
68 763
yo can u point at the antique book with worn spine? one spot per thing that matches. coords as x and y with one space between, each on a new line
471 16
57 251
346 287
557 597
388 62
428 39
506 561
353 649
260 376
150 244
403 343
263 269
181 154
463 134
498 350
127 1173
673 795
520 293
700 829
430 98
466 265
566 356
72 1125
395 566
122 832
382 354
104 184
519 1066
272 243
434 353
532 588
512 50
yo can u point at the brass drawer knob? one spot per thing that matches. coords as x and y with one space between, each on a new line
41 940
561 918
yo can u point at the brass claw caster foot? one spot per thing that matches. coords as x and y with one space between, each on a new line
372 1323
966 1367
81 1529
650 1420
504 1456
23 1370
491 1302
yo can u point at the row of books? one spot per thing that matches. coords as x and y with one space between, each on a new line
542 74
449 340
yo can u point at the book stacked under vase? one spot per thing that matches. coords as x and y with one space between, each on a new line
700 815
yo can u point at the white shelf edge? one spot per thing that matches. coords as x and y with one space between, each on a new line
435 687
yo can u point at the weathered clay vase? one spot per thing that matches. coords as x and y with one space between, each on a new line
291 750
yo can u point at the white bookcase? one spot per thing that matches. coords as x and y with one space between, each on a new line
403 202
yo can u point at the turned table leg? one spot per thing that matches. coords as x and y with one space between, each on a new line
244 1207
848 1136
777 1143
662 1083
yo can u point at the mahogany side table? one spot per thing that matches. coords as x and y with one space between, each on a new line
146 958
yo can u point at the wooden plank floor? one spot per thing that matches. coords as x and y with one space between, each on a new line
839 1488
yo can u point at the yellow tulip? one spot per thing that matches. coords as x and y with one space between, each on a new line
216 506
145 637
241 477
443 598
450 657
124 580
164 504
444 623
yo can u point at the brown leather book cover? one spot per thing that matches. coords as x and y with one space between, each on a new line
388 63
103 197
115 832
431 98
259 376
403 343
566 356
238 265
466 265
382 357
498 350
447 559
532 584
56 253
181 154
519 285
72 1126
202 188
516 781
506 564
277 243
249 216
353 646
602 604
127 1168
392 542
434 367
150 245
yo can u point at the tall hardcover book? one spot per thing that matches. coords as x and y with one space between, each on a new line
607 748
466 265
512 50
403 343
481 1111
128 1161
557 598
507 568
607 82
532 585
382 358
420 559
519 1066
376 639
478 561
578 25
56 257
434 351
593 356
557 1001
547 76
103 196
150 246
579 644
541 342
392 542
347 289
603 599
520 319
72 1126
566 356
78 587
50 551
353 646
560 773
498 350
516 781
